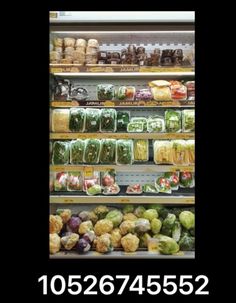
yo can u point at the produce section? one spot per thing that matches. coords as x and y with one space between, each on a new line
122 123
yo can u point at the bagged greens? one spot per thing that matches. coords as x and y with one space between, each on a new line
77 119
108 120
105 91
123 119
188 120
124 151
173 121
149 188
61 152
92 151
108 151
77 151
92 122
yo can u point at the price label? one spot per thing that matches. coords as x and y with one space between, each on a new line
88 171
68 201
56 70
125 200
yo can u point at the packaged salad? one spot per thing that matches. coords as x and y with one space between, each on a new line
178 90
173 178
163 185
60 120
149 188
141 150
179 152
77 119
123 118
105 91
173 121
92 121
108 151
155 124
188 120
77 151
75 181
124 151
140 119
91 181
190 145
92 151
135 127
60 181
126 93
108 120
61 152
186 179
144 94
162 152
161 90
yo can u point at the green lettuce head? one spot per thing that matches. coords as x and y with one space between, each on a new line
115 216
150 214
167 245
187 219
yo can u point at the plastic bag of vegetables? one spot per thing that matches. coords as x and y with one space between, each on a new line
173 178
142 226
103 226
94 190
123 118
190 145
75 181
77 119
163 185
188 120
60 181
141 150
108 120
116 237
187 242
70 240
54 243
83 246
65 214
186 179
187 219
60 120
108 151
105 91
135 127
173 121
61 152
77 151
155 124
92 121
160 90
149 188
162 152
124 151
92 151
140 119
179 152
126 227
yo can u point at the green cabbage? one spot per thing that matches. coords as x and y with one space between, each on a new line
167 245
115 216
187 219
150 214
156 225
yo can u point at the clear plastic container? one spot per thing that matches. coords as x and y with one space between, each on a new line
162 152
190 145
108 120
140 119
124 152
108 151
135 127
123 118
75 181
77 119
105 91
126 93
178 91
60 181
92 151
92 121
61 153
161 90
60 120
77 151
156 124
179 152
173 121
141 150
188 120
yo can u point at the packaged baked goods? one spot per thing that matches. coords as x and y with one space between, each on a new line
60 120
58 49
92 151
188 120
135 127
190 145
78 56
91 51
81 43
144 94
102 57
91 59
162 152
51 47
108 120
58 42
190 90
173 121
75 181
178 90
93 43
160 90
140 119
55 57
155 124
105 91
92 121
61 152
60 181
108 151
66 60
131 48
69 42
179 152
124 151
126 93
79 93
77 119
123 118
77 151
141 150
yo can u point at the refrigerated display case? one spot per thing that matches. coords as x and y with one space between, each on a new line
136 62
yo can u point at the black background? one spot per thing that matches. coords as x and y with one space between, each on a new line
30 198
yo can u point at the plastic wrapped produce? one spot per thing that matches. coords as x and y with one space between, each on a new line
186 179
69 42
108 120
81 43
167 245
140 119
73 224
116 238
178 90
60 120
61 152
92 151
108 151
156 225
103 243
123 119
141 148
124 151
69 241
138 212
92 122
179 152
91 180
135 127
89 236
160 90
58 42
94 190
162 152
173 121
60 181
75 181
103 226
55 224
113 189
79 93
115 216
51 182
128 208
190 145
135 189
105 91
126 93
62 89
77 119
150 214
163 185
77 151
144 238
155 124
130 243
144 94
149 188
188 120
173 178
190 90
54 243
130 217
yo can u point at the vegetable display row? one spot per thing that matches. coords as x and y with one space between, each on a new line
109 120
156 229
122 151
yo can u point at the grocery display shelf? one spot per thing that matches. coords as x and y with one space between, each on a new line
152 136
124 104
121 255
146 168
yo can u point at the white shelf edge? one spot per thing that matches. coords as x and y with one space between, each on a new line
127 74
